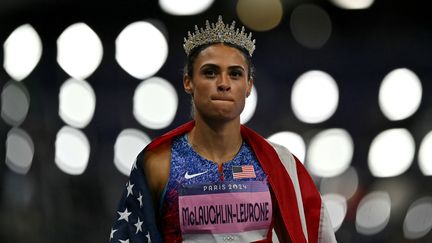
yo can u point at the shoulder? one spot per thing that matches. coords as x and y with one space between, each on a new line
289 161
281 151
156 156
156 165
279 148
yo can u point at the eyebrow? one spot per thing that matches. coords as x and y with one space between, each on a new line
211 65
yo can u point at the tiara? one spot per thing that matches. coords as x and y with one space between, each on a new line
219 32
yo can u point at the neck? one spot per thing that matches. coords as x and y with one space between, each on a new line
216 141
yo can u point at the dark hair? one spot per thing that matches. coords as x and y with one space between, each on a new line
188 67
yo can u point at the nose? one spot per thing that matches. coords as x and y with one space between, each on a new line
224 84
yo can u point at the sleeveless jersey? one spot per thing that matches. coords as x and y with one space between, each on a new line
206 202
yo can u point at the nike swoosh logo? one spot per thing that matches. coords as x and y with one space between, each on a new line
187 176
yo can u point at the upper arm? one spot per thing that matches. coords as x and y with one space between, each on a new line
156 166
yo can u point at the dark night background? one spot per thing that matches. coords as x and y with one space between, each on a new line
48 205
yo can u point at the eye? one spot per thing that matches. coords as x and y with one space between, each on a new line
236 73
209 73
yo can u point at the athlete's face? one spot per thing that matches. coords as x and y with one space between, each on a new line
219 84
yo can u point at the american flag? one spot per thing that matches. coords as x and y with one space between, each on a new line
134 219
244 171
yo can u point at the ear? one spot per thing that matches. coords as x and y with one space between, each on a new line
249 87
187 84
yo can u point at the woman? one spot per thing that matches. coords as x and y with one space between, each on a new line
212 179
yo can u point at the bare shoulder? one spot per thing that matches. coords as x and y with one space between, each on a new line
156 166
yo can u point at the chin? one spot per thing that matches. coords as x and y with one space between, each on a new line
219 117
218 114
226 117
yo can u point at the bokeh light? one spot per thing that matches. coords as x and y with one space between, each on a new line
345 184
250 106
19 151
15 103
315 97
391 152
349 4
400 94
373 213
72 150
291 141
79 51
418 220
155 103
260 15
425 155
141 49
310 25
127 146
330 152
77 103
185 7
400 190
22 52
336 206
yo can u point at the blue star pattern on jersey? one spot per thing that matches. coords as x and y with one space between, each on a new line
134 221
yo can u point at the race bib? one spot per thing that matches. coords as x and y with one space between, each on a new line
239 211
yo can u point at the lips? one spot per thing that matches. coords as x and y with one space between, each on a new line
222 98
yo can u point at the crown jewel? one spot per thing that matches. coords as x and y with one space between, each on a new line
219 32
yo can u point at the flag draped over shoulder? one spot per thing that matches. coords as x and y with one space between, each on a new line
302 212
135 219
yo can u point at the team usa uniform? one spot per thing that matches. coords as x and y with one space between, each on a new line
207 202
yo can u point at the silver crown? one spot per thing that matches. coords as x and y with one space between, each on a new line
217 33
